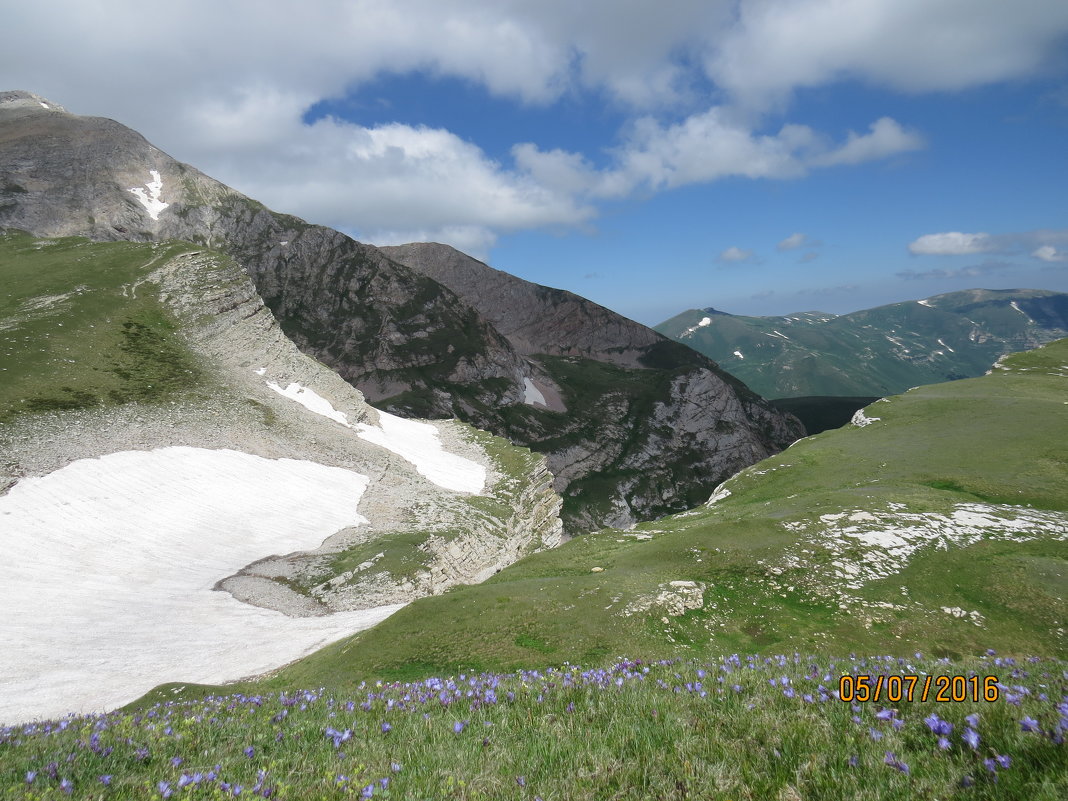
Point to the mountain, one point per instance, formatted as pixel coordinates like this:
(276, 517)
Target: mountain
(632, 426)
(937, 522)
(184, 493)
(875, 352)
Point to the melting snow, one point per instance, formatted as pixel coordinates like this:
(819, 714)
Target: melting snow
(860, 419)
(415, 442)
(738, 353)
(110, 563)
(532, 395)
(925, 303)
(947, 347)
(701, 324)
(1021, 311)
(150, 199)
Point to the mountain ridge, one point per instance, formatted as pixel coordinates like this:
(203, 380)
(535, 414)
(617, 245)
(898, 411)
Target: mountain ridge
(405, 340)
(875, 352)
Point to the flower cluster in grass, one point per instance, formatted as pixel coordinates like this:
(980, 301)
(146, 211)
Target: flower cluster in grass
(737, 727)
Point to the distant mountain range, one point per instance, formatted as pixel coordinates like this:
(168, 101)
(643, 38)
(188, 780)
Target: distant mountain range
(874, 352)
(633, 425)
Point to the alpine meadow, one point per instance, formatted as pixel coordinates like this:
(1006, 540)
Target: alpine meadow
(534, 401)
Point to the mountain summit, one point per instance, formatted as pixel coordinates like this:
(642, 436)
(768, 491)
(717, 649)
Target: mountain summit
(633, 425)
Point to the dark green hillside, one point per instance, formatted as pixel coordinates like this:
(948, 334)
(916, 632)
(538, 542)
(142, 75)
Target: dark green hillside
(969, 479)
(874, 352)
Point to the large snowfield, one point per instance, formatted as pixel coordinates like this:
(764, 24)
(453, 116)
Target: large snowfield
(109, 564)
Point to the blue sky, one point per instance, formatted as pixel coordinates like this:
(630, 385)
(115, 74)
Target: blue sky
(759, 156)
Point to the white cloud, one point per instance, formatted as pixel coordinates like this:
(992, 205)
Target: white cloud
(777, 46)
(952, 243)
(239, 75)
(885, 138)
(1045, 244)
(735, 254)
(1049, 253)
(792, 242)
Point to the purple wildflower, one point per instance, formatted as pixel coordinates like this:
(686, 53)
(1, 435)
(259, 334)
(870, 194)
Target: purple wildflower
(105, 779)
(1003, 760)
(990, 765)
(937, 725)
(395, 767)
(458, 726)
(30, 776)
(176, 761)
(250, 751)
(972, 719)
(386, 727)
(875, 734)
(367, 791)
(971, 737)
(943, 743)
(891, 760)
(165, 789)
(1029, 724)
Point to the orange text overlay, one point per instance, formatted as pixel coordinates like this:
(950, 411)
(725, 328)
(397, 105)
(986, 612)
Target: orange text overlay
(893, 689)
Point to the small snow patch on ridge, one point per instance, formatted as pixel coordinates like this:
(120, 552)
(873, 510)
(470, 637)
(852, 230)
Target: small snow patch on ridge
(150, 199)
(860, 419)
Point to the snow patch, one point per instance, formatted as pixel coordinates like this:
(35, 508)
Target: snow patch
(738, 353)
(1021, 311)
(700, 324)
(860, 419)
(151, 199)
(260, 371)
(718, 495)
(416, 442)
(532, 395)
(947, 347)
(925, 303)
(44, 105)
(110, 564)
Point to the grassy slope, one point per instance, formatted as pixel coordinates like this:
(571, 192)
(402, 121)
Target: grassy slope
(996, 440)
(77, 329)
(723, 729)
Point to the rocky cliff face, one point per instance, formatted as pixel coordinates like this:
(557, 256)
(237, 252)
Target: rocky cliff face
(656, 418)
(633, 425)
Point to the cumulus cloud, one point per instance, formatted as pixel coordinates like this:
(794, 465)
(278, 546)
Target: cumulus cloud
(798, 240)
(777, 46)
(225, 86)
(1049, 253)
(734, 255)
(1045, 244)
(952, 243)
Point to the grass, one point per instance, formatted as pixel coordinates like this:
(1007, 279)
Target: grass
(995, 440)
(81, 327)
(728, 727)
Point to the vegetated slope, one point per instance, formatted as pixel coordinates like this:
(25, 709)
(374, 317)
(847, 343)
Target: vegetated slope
(177, 478)
(939, 523)
(875, 352)
(675, 426)
(726, 727)
(632, 423)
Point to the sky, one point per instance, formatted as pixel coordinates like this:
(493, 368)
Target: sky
(758, 156)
